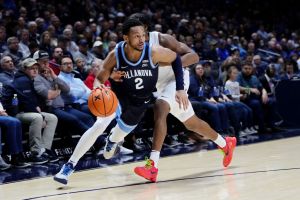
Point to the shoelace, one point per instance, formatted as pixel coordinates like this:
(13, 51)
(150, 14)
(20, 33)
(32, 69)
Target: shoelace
(148, 164)
(110, 145)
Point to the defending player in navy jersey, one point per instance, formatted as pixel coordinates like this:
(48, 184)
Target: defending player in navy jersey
(139, 61)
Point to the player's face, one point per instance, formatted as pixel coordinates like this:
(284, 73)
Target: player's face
(136, 38)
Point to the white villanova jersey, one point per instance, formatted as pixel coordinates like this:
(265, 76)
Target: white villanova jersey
(166, 73)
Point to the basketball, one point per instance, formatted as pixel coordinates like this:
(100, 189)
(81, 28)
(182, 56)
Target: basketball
(102, 102)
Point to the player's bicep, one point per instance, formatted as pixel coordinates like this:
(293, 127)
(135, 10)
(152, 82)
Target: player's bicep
(170, 42)
(162, 55)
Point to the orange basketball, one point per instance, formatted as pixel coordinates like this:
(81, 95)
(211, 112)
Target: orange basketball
(102, 102)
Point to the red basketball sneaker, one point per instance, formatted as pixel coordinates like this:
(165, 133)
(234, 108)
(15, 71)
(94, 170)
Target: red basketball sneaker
(148, 171)
(228, 150)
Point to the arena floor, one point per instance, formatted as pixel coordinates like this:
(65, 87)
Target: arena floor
(263, 170)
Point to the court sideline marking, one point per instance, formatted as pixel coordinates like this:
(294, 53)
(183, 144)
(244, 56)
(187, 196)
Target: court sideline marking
(172, 180)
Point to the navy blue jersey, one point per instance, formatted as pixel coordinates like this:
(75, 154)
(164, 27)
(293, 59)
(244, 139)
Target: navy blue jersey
(140, 77)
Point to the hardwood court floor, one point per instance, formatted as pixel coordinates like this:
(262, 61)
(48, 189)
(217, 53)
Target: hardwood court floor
(267, 170)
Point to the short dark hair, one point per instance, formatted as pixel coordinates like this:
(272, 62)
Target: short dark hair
(130, 22)
(145, 19)
(246, 63)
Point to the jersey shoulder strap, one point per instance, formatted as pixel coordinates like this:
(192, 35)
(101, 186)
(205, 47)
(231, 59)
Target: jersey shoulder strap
(153, 38)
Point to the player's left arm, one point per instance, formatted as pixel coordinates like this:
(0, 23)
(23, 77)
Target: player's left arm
(164, 55)
(188, 56)
(107, 67)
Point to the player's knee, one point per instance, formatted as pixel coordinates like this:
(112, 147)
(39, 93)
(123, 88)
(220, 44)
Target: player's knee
(161, 109)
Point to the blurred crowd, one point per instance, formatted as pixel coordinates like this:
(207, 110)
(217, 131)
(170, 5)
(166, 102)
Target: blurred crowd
(52, 50)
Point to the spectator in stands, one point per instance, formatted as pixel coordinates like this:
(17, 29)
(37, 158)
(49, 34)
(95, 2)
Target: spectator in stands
(24, 42)
(81, 70)
(79, 92)
(33, 35)
(89, 81)
(33, 47)
(201, 89)
(111, 46)
(71, 45)
(8, 70)
(269, 101)
(3, 164)
(253, 93)
(3, 44)
(13, 50)
(233, 88)
(11, 127)
(42, 125)
(83, 52)
(259, 66)
(54, 63)
(97, 50)
(222, 51)
(50, 87)
(289, 71)
(45, 42)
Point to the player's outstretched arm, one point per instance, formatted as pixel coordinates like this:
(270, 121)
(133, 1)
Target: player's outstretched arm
(164, 55)
(188, 56)
(108, 65)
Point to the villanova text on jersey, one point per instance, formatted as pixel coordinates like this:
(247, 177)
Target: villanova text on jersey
(140, 77)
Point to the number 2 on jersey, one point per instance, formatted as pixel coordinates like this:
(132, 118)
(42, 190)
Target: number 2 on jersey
(139, 83)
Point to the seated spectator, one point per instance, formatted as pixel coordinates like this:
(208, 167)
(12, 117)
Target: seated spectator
(84, 52)
(71, 45)
(259, 66)
(45, 42)
(89, 81)
(3, 44)
(3, 164)
(201, 89)
(54, 63)
(42, 125)
(269, 101)
(253, 93)
(289, 71)
(50, 87)
(233, 88)
(12, 129)
(97, 50)
(8, 70)
(13, 50)
(81, 69)
(24, 42)
(79, 92)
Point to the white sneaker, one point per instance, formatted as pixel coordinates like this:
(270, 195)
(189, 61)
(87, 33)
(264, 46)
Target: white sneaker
(242, 133)
(253, 130)
(63, 175)
(125, 151)
(111, 149)
(248, 131)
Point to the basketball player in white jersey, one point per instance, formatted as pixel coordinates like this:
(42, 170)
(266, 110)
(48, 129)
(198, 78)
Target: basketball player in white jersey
(166, 103)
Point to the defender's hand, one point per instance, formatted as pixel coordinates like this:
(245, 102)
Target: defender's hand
(182, 98)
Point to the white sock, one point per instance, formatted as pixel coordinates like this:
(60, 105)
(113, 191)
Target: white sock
(89, 138)
(220, 141)
(154, 155)
(118, 134)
